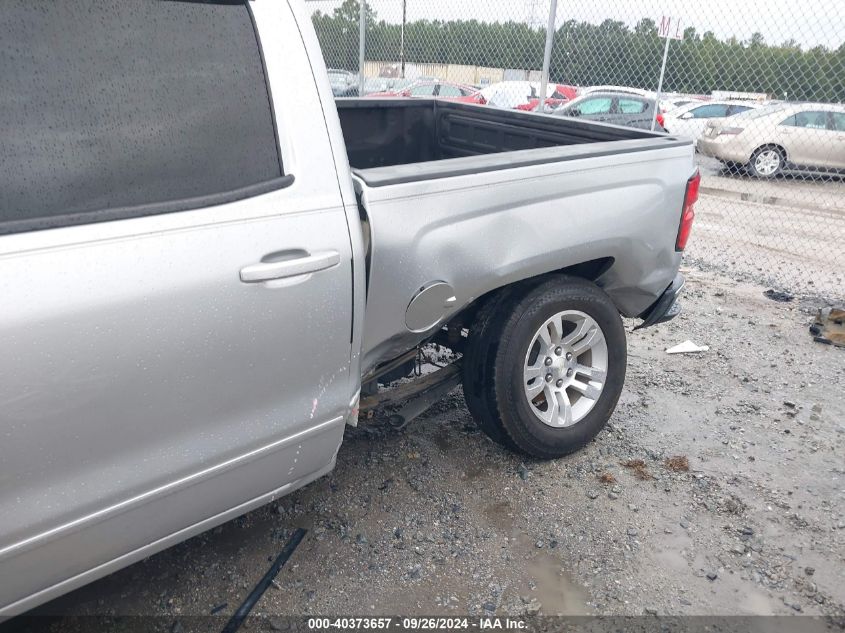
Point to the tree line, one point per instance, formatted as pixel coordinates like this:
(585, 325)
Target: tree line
(594, 54)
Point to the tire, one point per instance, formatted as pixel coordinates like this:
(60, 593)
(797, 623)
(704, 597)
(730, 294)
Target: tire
(507, 349)
(766, 162)
(477, 364)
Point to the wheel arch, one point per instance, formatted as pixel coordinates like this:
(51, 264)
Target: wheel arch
(591, 270)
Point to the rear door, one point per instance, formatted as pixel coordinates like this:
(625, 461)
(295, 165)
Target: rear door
(837, 120)
(175, 279)
(809, 139)
(631, 111)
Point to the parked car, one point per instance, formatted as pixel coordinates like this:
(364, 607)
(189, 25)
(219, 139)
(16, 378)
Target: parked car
(519, 94)
(208, 266)
(586, 90)
(691, 119)
(667, 103)
(343, 82)
(436, 88)
(784, 136)
(613, 107)
(560, 95)
(670, 103)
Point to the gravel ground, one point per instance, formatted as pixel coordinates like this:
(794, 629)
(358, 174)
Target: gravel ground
(787, 232)
(717, 488)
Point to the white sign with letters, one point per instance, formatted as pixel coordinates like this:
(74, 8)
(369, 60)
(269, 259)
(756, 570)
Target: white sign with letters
(670, 27)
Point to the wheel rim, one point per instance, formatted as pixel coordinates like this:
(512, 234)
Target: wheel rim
(565, 368)
(767, 162)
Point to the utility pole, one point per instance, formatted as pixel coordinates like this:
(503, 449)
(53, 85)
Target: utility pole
(362, 33)
(660, 85)
(402, 41)
(547, 55)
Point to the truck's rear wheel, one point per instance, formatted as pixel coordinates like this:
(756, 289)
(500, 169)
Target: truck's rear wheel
(550, 368)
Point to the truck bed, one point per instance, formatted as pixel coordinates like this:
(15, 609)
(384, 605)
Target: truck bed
(390, 141)
(460, 199)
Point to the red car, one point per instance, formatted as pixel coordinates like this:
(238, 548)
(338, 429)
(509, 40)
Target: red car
(440, 89)
(561, 94)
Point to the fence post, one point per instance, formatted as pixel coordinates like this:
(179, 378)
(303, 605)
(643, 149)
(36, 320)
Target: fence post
(547, 55)
(362, 33)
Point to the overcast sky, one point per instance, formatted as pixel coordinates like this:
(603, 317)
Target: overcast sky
(809, 22)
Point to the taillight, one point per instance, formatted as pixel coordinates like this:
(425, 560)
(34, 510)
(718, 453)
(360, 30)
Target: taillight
(688, 212)
(660, 118)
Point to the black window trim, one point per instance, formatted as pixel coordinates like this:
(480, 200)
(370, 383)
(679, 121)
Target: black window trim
(270, 101)
(97, 216)
(144, 210)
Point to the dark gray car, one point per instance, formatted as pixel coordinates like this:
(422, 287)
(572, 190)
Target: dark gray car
(618, 108)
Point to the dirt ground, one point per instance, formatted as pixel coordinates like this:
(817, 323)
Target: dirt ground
(787, 232)
(717, 488)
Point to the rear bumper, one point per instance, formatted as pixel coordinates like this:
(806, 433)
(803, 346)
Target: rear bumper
(723, 148)
(666, 307)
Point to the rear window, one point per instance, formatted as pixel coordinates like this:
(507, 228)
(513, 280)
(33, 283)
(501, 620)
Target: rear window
(709, 111)
(108, 104)
(450, 91)
(631, 106)
(738, 109)
(759, 113)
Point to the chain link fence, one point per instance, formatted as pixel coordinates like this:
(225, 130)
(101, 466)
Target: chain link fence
(759, 85)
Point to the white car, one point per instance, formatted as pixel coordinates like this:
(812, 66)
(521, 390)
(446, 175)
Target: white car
(691, 119)
(510, 94)
(783, 136)
(670, 103)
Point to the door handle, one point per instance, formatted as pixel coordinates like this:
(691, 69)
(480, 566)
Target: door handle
(266, 271)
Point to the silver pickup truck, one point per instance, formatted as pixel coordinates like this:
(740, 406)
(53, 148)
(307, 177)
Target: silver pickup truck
(207, 267)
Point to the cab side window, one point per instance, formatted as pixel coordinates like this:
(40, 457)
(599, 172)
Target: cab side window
(116, 109)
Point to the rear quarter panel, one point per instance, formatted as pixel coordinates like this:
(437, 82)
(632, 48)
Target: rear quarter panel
(483, 231)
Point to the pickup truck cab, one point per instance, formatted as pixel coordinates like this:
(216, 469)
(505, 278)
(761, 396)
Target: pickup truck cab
(204, 262)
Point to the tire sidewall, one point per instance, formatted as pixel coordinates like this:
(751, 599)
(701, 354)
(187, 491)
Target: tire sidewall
(525, 428)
